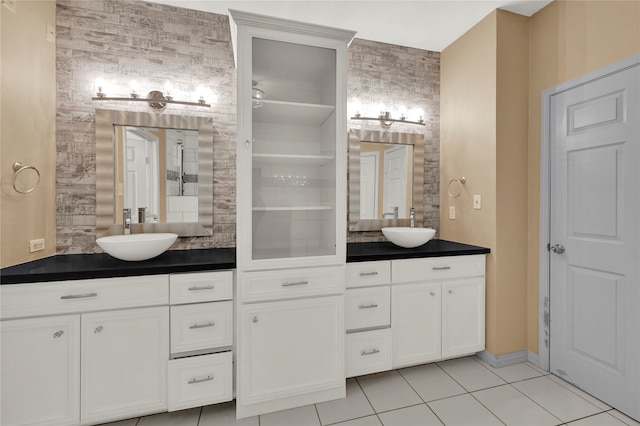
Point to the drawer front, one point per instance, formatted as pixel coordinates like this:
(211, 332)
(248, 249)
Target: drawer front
(200, 380)
(436, 268)
(362, 274)
(201, 287)
(290, 284)
(368, 307)
(201, 326)
(21, 300)
(368, 352)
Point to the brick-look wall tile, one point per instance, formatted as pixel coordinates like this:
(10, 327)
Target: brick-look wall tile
(120, 40)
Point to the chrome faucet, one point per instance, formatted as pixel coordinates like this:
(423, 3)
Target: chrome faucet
(126, 221)
(412, 217)
(394, 214)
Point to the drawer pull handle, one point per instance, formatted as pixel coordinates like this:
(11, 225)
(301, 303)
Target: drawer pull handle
(205, 287)
(295, 283)
(78, 296)
(369, 306)
(441, 268)
(368, 274)
(58, 334)
(208, 324)
(370, 352)
(203, 379)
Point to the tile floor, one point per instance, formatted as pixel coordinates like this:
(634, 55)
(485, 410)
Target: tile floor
(464, 391)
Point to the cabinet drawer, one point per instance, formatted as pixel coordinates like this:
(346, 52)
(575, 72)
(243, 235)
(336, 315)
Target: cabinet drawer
(368, 352)
(363, 274)
(201, 287)
(290, 284)
(200, 380)
(435, 268)
(368, 307)
(57, 297)
(201, 326)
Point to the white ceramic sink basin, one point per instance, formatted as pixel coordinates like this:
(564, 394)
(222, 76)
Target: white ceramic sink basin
(136, 246)
(408, 237)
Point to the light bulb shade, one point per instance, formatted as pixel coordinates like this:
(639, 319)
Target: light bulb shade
(156, 103)
(257, 95)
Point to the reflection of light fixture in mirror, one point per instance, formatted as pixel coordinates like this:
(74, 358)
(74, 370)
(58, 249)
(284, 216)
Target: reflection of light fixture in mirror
(257, 95)
(156, 99)
(386, 121)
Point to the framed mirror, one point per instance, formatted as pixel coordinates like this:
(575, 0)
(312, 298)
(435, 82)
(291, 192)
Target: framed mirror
(158, 165)
(386, 179)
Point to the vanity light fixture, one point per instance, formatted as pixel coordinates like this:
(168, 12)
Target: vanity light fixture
(156, 99)
(386, 121)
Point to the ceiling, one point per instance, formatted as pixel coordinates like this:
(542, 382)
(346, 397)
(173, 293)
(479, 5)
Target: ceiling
(423, 24)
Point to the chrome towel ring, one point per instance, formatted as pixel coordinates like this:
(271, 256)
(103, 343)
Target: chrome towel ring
(461, 181)
(19, 168)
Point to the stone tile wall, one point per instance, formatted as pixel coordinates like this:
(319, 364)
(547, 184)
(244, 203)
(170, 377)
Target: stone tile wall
(121, 40)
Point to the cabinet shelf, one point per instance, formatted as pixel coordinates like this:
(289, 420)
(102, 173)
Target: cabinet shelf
(292, 159)
(292, 113)
(290, 208)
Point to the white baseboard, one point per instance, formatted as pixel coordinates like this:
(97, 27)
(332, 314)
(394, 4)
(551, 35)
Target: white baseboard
(505, 360)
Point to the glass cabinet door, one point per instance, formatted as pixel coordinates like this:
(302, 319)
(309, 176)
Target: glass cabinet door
(295, 169)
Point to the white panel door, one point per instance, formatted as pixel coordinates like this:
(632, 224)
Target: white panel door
(369, 166)
(416, 323)
(594, 241)
(395, 180)
(124, 363)
(40, 377)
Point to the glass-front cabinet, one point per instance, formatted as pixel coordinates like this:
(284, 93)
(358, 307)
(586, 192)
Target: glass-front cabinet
(292, 143)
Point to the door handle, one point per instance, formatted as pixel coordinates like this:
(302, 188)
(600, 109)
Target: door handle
(557, 248)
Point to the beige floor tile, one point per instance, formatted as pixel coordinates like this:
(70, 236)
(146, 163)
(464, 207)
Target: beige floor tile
(515, 373)
(128, 422)
(463, 410)
(362, 421)
(410, 416)
(602, 419)
(626, 419)
(471, 374)
(431, 382)
(558, 400)
(388, 391)
(353, 406)
(513, 408)
(579, 392)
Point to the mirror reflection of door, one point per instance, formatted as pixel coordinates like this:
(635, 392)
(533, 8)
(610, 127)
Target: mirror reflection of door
(141, 171)
(395, 182)
(369, 166)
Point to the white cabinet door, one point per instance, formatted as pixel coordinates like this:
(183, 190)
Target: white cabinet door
(462, 316)
(416, 323)
(124, 363)
(40, 371)
(290, 353)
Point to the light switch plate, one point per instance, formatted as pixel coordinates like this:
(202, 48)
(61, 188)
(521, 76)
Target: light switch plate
(477, 202)
(452, 212)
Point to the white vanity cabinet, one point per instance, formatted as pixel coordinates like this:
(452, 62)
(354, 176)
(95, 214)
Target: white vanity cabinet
(85, 351)
(201, 369)
(438, 308)
(291, 210)
(368, 318)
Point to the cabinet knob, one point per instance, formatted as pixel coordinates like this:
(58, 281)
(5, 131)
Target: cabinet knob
(451, 292)
(247, 143)
(58, 334)
(432, 293)
(255, 319)
(98, 329)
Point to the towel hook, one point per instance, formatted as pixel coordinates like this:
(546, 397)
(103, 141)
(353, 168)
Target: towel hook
(19, 168)
(461, 181)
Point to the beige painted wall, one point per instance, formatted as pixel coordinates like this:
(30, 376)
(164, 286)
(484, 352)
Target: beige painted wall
(484, 115)
(28, 132)
(568, 39)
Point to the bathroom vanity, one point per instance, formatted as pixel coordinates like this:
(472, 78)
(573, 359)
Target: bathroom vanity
(89, 339)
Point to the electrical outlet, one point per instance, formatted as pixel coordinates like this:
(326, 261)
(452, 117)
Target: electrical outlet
(36, 245)
(452, 212)
(477, 202)
(10, 4)
(50, 32)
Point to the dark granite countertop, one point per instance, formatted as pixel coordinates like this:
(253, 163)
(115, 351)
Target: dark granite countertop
(86, 266)
(363, 252)
(101, 265)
